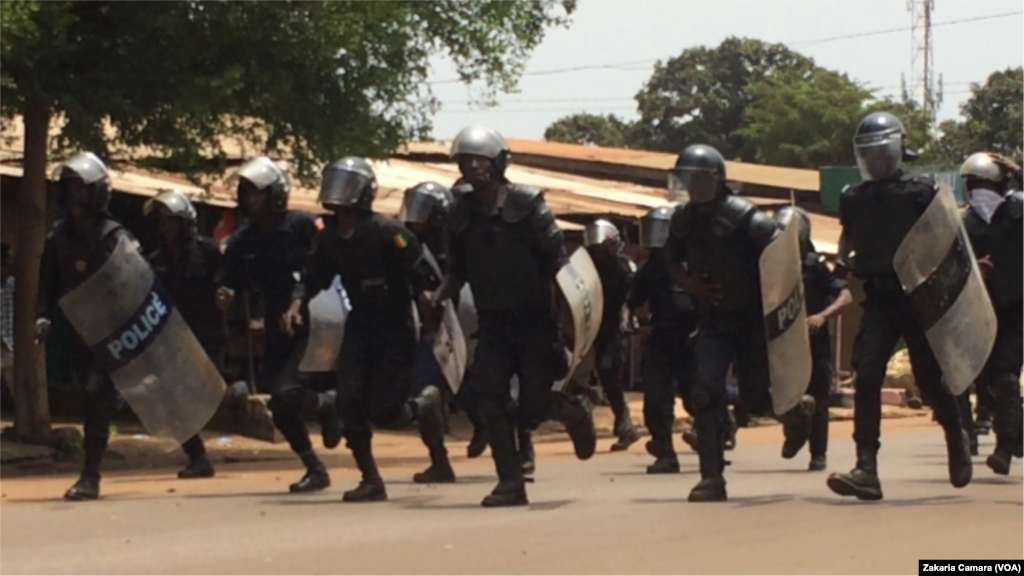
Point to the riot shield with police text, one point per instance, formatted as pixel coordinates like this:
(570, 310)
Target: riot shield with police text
(936, 266)
(327, 314)
(785, 319)
(450, 341)
(580, 284)
(137, 336)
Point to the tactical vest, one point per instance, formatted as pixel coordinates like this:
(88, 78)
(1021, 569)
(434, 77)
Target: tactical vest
(877, 217)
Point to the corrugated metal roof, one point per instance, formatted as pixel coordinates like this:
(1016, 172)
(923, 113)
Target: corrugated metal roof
(762, 175)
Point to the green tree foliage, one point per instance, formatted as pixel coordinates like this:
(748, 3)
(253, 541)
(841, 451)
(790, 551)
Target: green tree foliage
(993, 118)
(807, 120)
(595, 129)
(308, 80)
(701, 95)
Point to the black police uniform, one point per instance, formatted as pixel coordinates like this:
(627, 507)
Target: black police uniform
(876, 216)
(669, 364)
(1002, 240)
(821, 288)
(726, 246)
(70, 257)
(510, 259)
(377, 264)
(271, 262)
(190, 279)
(616, 275)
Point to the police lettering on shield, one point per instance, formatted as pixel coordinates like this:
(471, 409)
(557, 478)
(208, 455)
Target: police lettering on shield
(139, 331)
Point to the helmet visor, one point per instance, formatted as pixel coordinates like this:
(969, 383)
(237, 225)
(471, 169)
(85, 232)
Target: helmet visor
(694, 185)
(878, 155)
(342, 188)
(416, 207)
(654, 232)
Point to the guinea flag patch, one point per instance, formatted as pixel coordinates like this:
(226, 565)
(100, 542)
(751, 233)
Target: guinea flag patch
(400, 240)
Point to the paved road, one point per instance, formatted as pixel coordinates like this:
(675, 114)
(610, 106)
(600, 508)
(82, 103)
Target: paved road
(601, 516)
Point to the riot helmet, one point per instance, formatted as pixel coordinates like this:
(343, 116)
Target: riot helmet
(786, 215)
(348, 183)
(655, 227)
(985, 184)
(263, 175)
(84, 182)
(878, 146)
(170, 204)
(426, 203)
(698, 176)
(476, 145)
(598, 232)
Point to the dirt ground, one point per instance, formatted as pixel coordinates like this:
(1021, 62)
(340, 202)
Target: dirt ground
(149, 465)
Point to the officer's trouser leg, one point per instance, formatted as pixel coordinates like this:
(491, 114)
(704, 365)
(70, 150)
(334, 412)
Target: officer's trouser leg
(194, 448)
(659, 398)
(489, 379)
(872, 349)
(820, 388)
(608, 371)
(1001, 374)
(289, 399)
(715, 350)
(100, 405)
(928, 375)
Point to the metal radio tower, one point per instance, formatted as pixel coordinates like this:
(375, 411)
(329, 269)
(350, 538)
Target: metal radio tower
(922, 61)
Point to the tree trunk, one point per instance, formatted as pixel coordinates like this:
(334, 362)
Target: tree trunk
(31, 402)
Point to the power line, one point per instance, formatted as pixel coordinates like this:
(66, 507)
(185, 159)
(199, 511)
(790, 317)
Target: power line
(631, 64)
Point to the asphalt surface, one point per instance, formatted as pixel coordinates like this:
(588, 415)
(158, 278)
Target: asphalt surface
(596, 517)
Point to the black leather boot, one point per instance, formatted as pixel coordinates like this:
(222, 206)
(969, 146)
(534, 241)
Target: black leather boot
(959, 453)
(431, 424)
(861, 482)
(511, 488)
(331, 427)
(371, 487)
(316, 477)
(711, 487)
(86, 488)
(1001, 458)
(626, 433)
(197, 468)
(478, 443)
(797, 426)
(576, 414)
(818, 440)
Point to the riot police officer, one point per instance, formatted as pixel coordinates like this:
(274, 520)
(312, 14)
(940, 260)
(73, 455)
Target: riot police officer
(994, 225)
(424, 211)
(669, 364)
(825, 297)
(187, 263)
(383, 270)
(876, 216)
(503, 240)
(603, 243)
(75, 249)
(267, 254)
(714, 247)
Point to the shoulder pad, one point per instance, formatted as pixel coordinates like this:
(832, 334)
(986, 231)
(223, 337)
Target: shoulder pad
(458, 214)
(732, 210)
(763, 228)
(923, 181)
(1015, 202)
(520, 201)
(110, 227)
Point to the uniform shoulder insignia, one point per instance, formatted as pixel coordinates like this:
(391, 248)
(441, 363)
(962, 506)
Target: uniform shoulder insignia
(401, 241)
(319, 223)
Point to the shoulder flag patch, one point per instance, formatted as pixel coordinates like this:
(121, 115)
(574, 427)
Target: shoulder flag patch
(400, 240)
(319, 223)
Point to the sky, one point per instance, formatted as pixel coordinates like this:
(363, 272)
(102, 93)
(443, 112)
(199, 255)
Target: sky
(621, 39)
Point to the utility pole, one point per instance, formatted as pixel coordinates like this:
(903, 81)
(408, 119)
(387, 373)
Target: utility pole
(922, 87)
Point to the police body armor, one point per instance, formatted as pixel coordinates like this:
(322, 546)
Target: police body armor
(877, 216)
(518, 284)
(726, 247)
(1003, 242)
